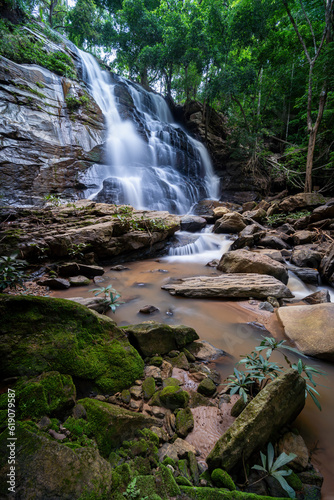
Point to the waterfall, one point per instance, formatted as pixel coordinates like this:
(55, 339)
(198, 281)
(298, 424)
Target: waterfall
(150, 162)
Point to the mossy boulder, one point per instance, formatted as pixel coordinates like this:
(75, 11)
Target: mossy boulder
(173, 397)
(184, 422)
(51, 393)
(222, 479)
(279, 403)
(46, 469)
(180, 361)
(40, 334)
(148, 388)
(171, 381)
(152, 338)
(195, 493)
(110, 424)
(207, 387)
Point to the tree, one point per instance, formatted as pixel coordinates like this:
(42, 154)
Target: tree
(312, 55)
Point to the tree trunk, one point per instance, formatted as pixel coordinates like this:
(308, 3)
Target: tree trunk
(309, 161)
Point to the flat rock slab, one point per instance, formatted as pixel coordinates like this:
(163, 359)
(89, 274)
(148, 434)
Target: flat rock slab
(311, 327)
(228, 285)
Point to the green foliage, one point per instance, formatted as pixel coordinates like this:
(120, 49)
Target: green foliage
(74, 103)
(274, 468)
(259, 370)
(76, 250)
(111, 296)
(11, 272)
(132, 492)
(53, 200)
(278, 219)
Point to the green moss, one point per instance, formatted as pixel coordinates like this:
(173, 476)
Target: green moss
(207, 387)
(294, 481)
(171, 381)
(184, 422)
(222, 479)
(148, 388)
(40, 334)
(220, 494)
(173, 397)
(156, 361)
(169, 461)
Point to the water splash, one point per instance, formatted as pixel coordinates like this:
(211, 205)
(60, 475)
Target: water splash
(161, 169)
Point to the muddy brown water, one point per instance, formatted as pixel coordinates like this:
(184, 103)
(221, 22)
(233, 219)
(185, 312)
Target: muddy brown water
(224, 324)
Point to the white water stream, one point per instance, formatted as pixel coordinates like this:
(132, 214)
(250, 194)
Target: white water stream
(163, 168)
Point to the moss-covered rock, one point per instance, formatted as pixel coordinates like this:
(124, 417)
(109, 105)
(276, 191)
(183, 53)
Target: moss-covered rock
(173, 397)
(220, 494)
(238, 407)
(50, 393)
(207, 387)
(184, 422)
(46, 469)
(180, 361)
(156, 361)
(181, 480)
(40, 334)
(110, 424)
(152, 338)
(148, 388)
(222, 479)
(171, 381)
(276, 405)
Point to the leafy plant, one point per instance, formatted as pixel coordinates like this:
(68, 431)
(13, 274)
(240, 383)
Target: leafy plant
(11, 272)
(53, 200)
(111, 296)
(132, 492)
(76, 250)
(273, 468)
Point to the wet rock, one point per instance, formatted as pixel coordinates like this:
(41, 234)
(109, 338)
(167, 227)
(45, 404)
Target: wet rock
(46, 469)
(79, 411)
(192, 223)
(148, 309)
(245, 261)
(327, 266)
(272, 253)
(266, 306)
(307, 275)
(126, 396)
(79, 281)
(294, 443)
(154, 372)
(311, 328)
(120, 267)
(180, 361)
(276, 405)
(75, 269)
(220, 211)
(323, 212)
(229, 285)
(258, 215)
(320, 297)
(304, 237)
(184, 422)
(286, 229)
(238, 407)
(55, 283)
(230, 223)
(300, 201)
(44, 424)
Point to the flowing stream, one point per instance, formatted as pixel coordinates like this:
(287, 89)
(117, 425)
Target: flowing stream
(233, 326)
(154, 164)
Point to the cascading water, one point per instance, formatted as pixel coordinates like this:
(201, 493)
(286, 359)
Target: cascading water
(162, 168)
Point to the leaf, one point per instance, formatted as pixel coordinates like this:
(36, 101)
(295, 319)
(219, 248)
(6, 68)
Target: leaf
(300, 366)
(271, 453)
(318, 405)
(284, 484)
(258, 467)
(283, 459)
(263, 459)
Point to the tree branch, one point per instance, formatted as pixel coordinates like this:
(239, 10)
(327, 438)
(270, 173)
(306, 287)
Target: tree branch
(300, 38)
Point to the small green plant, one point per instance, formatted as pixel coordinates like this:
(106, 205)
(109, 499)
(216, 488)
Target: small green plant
(11, 272)
(259, 371)
(74, 103)
(278, 219)
(76, 250)
(53, 200)
(273, 468)
(111, 296)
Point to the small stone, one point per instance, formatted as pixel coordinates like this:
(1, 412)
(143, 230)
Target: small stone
(153, 371)
(148, 388)
(136, 391)
(158, 411)
(273, 301)
(161, 433)
(57, 435)
(119, 268)
(266, 306)
(180, 361)
(79, 411)
(166, 369)
(184, 422)
(173, 354)
(100, 397)
(44, 424)
(320, 297)
(79, 281)
(190, 357)
(126, 396)
(135, 405)
(207, 387)
(149, 309)
(138, 382)
(156, 361)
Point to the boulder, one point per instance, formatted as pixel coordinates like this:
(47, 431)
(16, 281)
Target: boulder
(111, 425)
(320, 297)
(231, 222)
(55, 283)
(273, 241)
(327, 265)
(307, 275)
(323, 212)
(258, 215)
(259, 286)
(207, 387)
(311, 328)
(272, 253)
(46, 469)
(304, 237)
(173, 397)
(157, 338)
(275, 406)
(192, 223)
(40, 334)
(204, 351)
(75, 269)
(218, 212)
(79, 281)
(306, 256)
(179, 449)
(300, 201)
(294, 443)
(184, 422)
(244, 261)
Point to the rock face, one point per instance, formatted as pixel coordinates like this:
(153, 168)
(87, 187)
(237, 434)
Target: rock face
(45, 145)
(48, 470)
(311, 328)
(259, 286)
(244, 261)
(40, 334)
(276, 405)
(84, 227)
